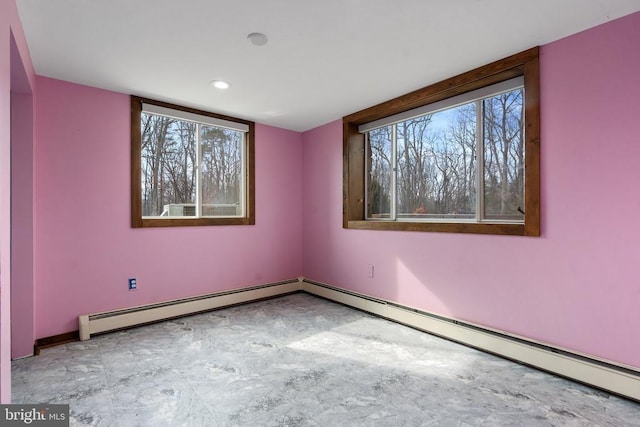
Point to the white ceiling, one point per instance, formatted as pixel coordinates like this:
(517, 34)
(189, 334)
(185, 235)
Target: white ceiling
(325, 58)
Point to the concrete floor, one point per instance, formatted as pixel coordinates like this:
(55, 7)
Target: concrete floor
(300, 361)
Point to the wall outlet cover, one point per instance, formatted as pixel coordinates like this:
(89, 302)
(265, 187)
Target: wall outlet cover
(370, 271)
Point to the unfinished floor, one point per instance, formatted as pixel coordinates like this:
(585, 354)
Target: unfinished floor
(300, 361)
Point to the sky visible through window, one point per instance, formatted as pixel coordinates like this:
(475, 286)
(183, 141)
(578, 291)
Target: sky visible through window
(437, 165)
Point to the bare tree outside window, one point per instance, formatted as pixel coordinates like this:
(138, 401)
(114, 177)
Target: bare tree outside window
(169, 168)
(168, 157)
(436, 158)
(504, 156)
(221, 170)
(380, 173)
(434, 161)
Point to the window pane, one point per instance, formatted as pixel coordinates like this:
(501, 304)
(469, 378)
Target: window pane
(436, 165)
(504, 157)
(222, 175)
(379, 173)
(167, 160)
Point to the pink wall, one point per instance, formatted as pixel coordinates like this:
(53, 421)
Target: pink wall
(22, 232)
(11, 34)
(576, 286)
(85, 247)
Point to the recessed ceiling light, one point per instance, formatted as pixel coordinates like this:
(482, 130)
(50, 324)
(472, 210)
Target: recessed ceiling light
(219, 84)
(258, 39)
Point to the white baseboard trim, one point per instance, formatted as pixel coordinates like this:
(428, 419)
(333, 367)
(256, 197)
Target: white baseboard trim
(607, 375)
(89, 324)
(604, 374)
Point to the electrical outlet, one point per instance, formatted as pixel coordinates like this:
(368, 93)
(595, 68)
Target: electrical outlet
(133, 285)
(370, 271)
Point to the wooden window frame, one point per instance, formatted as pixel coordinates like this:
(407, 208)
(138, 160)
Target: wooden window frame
(137, 220)
(524, 64)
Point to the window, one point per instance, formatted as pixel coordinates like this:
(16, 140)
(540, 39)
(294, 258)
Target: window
(190, 167)
(458, 156)
(460, 159)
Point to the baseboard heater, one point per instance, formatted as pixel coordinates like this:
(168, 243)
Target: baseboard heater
(90, 324)
(613, 377)
(606, 375)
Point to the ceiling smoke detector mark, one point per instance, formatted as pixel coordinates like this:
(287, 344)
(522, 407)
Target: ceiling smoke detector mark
(258, 39)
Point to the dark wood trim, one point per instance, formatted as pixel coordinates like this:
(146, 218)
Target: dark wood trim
(440, 227)
(136, 165)
(532, 147)
(190, 110)
(186, 222)
(137, 221)
(522, 64)
(495, 72)
(353, 171)
(250, 212)
(55, 340)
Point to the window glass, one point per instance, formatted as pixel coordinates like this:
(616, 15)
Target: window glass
(380, 173)
(436, 165)
(222, 171)
(504, 157)
(168, 172)
(426, 168)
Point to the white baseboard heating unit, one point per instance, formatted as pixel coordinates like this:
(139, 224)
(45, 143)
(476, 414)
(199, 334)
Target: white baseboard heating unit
(89, 324)
(604, 374)
(616, 378)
